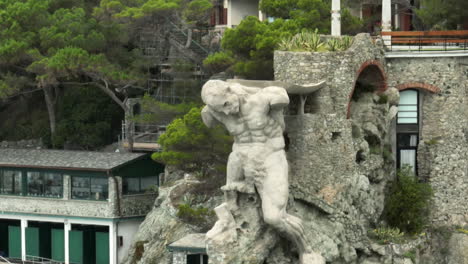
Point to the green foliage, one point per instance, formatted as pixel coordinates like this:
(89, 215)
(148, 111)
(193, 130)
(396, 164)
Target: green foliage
(387, 235)
(443, 14)
(350, 25)
(311, 41)
(190, 145)
(198, 216)
(346, 42)
(333, 44)
(306, 13)
(94, 125)
(383, 99)
(304, 41)
(137, 9)
(22, 121)
(156, 112)
(198, 12)
(253, 43)
(411, 255)
(218, 62)
(387, 153)
(408, 203)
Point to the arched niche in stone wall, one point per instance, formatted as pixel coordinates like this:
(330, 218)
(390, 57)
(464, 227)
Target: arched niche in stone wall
(370, 79)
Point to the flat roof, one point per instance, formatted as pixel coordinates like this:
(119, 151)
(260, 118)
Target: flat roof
(195, 243)
(65, 159)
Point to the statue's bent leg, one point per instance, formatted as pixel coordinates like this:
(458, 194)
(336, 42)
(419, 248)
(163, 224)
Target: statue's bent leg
(274, 192)
(234, 177)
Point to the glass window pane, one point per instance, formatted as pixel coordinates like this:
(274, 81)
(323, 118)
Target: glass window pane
(148, 182)
(410, 120)
(131, 185)
(407, 140)
(99, 188)
(407, 114)
(11, 182)
(408, 107)
(409, 97)
(80, 187)
(53, 185)
(35, 184)
(403, 108)
(408, 158)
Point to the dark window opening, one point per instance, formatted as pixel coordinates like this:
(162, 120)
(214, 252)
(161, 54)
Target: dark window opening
(197, 259)
(408, 130)
(139, 185)
(10, 182)
(44, 184)
(90, 188)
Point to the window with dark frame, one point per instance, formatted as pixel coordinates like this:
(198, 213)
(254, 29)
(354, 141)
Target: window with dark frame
(408, 129)
(90, 188)
(44, 184)
(10, 182)
(138, 185)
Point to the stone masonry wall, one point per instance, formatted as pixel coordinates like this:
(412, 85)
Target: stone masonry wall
(339, 69)
(443, 146)
(338, 195)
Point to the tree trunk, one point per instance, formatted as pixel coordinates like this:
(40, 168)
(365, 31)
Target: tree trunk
(129, 123)
(129, 131)
(189, 38)
(50, 103)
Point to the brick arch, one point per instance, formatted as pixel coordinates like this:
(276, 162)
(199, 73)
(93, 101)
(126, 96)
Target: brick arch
(365, 65)
(418, 85)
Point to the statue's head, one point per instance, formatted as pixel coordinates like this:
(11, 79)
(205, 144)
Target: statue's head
(219, 96)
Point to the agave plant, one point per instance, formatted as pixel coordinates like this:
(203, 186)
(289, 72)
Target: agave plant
(333, 44)
(312, 41)
(304, 41)
(346, 42)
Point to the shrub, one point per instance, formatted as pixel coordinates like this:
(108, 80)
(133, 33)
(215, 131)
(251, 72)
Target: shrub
(387, 235)
(199, 216)
(408, 202)
(218, 62)
(383, 99)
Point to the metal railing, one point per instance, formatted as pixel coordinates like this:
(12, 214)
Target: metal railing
(2, 259)
(451, 40)
(40, 260)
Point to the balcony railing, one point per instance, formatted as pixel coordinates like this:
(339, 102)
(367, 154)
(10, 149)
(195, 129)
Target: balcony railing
(452, 40)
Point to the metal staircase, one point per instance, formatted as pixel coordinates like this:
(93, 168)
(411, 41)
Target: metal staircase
(181, 37)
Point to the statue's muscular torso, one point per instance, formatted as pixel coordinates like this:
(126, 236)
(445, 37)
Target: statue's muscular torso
(255, 122)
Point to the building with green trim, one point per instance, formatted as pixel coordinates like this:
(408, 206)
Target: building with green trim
(73, 206)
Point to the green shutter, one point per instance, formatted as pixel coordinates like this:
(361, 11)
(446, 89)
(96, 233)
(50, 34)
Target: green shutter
(58, 244)
(32, 241)
(102, 248)
(76, 247)
(14, 242)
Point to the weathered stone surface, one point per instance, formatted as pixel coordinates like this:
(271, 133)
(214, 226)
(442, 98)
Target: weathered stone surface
(162, 227)
(458, 246)
(443, 148)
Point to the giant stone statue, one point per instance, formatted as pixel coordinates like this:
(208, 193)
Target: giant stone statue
(257, 167)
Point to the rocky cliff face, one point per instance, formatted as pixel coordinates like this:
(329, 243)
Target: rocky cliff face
(341, 156)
